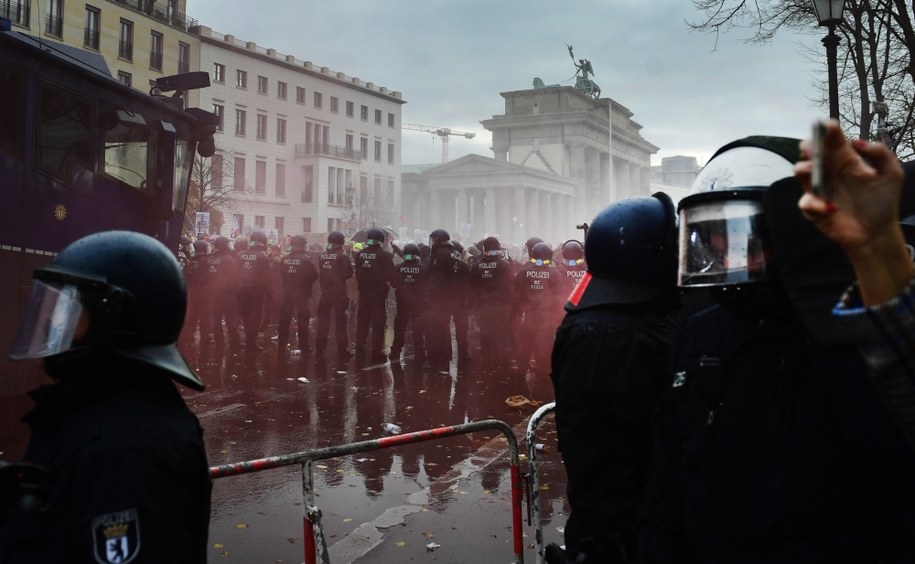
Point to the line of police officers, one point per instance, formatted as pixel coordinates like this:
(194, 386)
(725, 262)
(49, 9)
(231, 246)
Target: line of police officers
(515, 305)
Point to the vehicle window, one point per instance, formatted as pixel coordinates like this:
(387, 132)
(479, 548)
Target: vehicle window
(12, 92)
(64, 137)
(126, 143)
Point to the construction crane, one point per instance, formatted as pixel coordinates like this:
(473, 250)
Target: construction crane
(442, 132)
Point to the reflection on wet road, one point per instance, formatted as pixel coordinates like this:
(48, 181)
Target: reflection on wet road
(382, 506)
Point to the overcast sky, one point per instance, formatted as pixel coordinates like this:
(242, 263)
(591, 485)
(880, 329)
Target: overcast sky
(452, 58)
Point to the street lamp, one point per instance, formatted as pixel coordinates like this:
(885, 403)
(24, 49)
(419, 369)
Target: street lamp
(829, 14)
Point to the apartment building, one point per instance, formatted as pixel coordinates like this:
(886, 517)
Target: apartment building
(141, 40)
(306, 149)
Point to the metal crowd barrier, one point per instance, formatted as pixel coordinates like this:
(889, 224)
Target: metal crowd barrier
(314, 541)
(533, 480)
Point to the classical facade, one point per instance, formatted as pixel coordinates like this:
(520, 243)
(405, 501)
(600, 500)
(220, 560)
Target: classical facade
(141, 40)
(555, 166)
(305, 149)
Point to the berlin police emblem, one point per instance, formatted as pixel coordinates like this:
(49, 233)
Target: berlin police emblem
(116, 537)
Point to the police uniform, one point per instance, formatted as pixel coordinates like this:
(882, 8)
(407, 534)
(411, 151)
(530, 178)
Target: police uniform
(491, 288)
(335, 269)
(374, 274)
(538, 296)
(445, 291)
(223, 276)
(411, 303)
(253, 281)
(299, 275)
(200, 304)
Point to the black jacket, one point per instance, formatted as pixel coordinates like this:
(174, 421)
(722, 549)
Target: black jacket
(129, 472)
(299, 274)
(374, 272)
(335, 268)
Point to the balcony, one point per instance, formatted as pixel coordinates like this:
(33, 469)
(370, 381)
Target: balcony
(161, 12)
(155, 60)
(54, 25)
(90, 38)
(322, 150)
(125, 50)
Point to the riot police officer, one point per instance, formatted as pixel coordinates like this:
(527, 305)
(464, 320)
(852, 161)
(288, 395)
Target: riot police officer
(125, 455)
(374, 275)
(770, 411)
(335, 269)
(299, 275)
(610, 362)
(411, 303)
(573, 265)
(446, 271)
(223, 273)
(537, 301)
(491, 291)
(200, 305)
(253, 285)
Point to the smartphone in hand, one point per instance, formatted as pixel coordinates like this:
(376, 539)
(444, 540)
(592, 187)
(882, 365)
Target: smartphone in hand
(816, 174)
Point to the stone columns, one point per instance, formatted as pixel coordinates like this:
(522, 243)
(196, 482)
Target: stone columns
(531, 213)
(518, 211)
(490, 205)
(433, 215)
(545, 221)
(578, 171)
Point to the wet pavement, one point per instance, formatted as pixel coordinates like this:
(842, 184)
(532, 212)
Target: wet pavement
(446, 500)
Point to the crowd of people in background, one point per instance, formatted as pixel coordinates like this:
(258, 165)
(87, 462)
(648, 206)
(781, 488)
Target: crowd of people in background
(251, 292)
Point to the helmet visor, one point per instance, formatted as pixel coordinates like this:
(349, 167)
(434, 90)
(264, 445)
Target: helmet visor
(722, 243)
(49, 320)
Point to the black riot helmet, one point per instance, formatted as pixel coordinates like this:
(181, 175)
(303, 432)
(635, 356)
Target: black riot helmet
(411, 252)
(221, 243)
(572, 253)
(491, 244)
(631, 253)
(259, 237)
(201, 247)
(724, 238)
(374, 236)
(439, 236)
(116, 292)
(529, 244)
(299, 242)
(541, 253)
(335, 238)
(458, 246)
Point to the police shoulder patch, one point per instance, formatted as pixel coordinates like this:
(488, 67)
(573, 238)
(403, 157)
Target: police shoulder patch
(116, 537)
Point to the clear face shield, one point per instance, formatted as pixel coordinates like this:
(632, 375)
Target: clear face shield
(722, 242)
(50, 320)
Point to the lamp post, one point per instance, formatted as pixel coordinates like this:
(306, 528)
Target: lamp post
(829, 14)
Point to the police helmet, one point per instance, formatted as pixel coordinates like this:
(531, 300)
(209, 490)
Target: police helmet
(458, 246)
(299, 242)
(259, 237)
(115, 291)
(221, 243)
(631, 253)
(374, 236)
(529, 244)
(572, 252)
(411, 251)
(491, 246)
(201, 247)
(335, 238)
(439, 236)
(541, 253)
(723, 233)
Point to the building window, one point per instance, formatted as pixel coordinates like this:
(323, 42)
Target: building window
(54, 18)
(238, 179)
(364, 113)
(125, 41)
(349, 145)
(155, 50)
(332, 184)
(364, 147)
(280, 184)
(90, 34)
(306, 225)
(262, 84)
(308, 189)
(334, 105)
(377, 151)
(281, 90)
(260, 177)
(390, 119)
(349, 108)
(216, 165)
(278, 222)
(219, 72)
(317, 138)
(390, 153)
(220, 112)
(241, 78)
(378, 117)
(280, 131)
(238, 223)
(261, 127)
(125, 78)
(184, 57)
(364, 189)
(241, 117)
(299, 95)
(259, 222)
(319, 100)
(17, 12)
